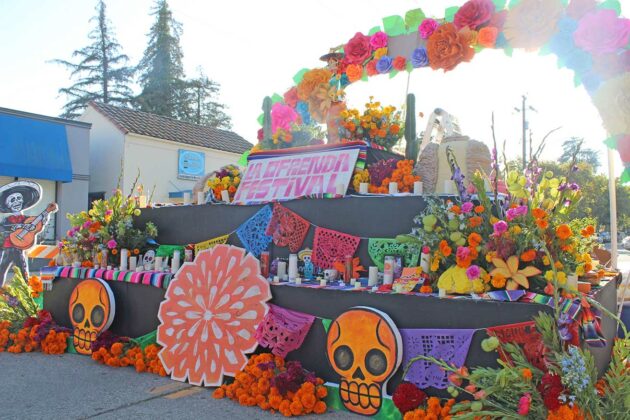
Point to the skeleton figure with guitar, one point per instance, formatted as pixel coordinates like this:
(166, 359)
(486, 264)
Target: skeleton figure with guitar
(17, 231)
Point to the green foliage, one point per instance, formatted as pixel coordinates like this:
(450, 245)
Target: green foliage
(16, 301)
(573, 147)
(201, 105)
(617, 405)
(101, 73)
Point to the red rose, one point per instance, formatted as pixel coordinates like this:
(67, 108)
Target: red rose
(408, 397)
(400, 63)
(260, 135)
(473, 14)
(370, 68)
(291, 97)
(358, 49)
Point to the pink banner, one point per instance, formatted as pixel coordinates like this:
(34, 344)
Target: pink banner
(296, 175)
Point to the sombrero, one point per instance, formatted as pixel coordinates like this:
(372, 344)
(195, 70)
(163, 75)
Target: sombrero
(31, 193)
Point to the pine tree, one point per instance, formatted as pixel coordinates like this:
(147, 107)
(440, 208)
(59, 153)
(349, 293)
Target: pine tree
(162, 73)
(573, 146)
(102, 74)
(203, 107)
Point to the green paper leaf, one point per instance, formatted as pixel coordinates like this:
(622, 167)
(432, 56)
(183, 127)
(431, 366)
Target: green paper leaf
(413, 19)
(449, 14)
(611, 142)
(513, 3)
(478, 48)
(261, 119)
(364, 76)
(374, 30)
(393, 73)
(508, 51)
(299, 75)
(625, 176)
(326, 323)
(545, 50)
(275, 98)
(499, 4)
(565, 2)
(409, 67)
(394, 25)
(611, 4)
(577, 80)
(243, 159)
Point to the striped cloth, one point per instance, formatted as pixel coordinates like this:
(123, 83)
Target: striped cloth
(148, 278)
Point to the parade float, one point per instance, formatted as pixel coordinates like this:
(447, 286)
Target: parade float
(339, 269)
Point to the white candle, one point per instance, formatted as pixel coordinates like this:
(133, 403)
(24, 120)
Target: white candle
(448, 186)
(341, 189)
(357, 285)
(175, 261)
(201, 197)
(276, 279)
(225, 196)
(187, 198)
(282, 269)
(388, 278)
(425, 258)
(109, 267)
(353, 282)
(298, 280)
(133, 263)
(322, 282)
(158, 264)
(373, 276)
(442, 292)
(293, 266)
(417, 188)
(363, 187)
(124, 259)
(393, 187)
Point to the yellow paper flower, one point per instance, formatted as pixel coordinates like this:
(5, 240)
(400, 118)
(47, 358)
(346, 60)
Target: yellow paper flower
(612, 100)
(512, 274)
(380, 53)
(455, 280)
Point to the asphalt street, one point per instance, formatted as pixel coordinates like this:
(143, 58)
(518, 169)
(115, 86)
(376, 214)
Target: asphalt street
(69, 386)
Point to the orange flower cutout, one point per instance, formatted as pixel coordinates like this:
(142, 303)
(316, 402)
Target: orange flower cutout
(512, 274)
(209, 315)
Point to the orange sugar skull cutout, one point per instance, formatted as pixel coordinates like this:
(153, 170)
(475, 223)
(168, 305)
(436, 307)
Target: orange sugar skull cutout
(365, 348)
(92, 308)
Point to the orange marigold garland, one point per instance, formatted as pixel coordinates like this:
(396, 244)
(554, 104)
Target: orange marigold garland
(269, 383)
(123, 354)
(36, 286)
(434, 410)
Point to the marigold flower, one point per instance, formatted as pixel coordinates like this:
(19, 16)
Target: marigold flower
(542, 223)
(498, 281)
(564, 232)
(529, 255)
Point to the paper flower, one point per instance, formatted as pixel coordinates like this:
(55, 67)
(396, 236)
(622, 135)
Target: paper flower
(378, 40)
(531, 23)
(354, 72)
(384, 64)
(281, 117)
(370, 68)
(602, 32)
(419, 57)
(578, 8)
(509, 270)
(291, 97)
(399, 63)
(612, 100)
(427, 27)
(209, 315)
(358, 49)
(311, 80)
(473, 14)
(447, 48)
(487, 36)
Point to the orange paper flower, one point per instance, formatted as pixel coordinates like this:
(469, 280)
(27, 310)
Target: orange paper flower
(311, 80)
(509, 269)
(487, 37)
(354, 72)
(447, 47)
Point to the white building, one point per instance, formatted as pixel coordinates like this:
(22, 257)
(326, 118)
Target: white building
(170, 154)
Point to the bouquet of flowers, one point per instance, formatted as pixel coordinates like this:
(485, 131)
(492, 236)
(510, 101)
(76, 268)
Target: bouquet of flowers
(227, 178)
(377, 124)
(382, 172)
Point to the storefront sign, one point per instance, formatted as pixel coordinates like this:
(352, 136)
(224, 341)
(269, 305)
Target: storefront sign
(191, 164)
(291, 174)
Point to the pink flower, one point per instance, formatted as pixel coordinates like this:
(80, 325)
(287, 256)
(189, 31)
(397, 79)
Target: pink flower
(515, 212)
(462, 252)
(467, 207)
(473, 272)
(500, 227)
(87, 224)
(282, 116)
(455, 379)
(108, 212)
(378, 40)
(427, 27)
(111, 244)
(602, 32)
(358, 49)
(426, 249)
(523, 404)
(473, 14)
(479, 395)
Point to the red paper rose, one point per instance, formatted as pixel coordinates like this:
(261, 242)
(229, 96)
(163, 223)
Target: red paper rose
(447, 48)
(260, 135)
(370, 68)
(291, 97)
(602, 32)
(408, 397)
(400, 63)
(623, 147)
(358, 49)
(473, 14)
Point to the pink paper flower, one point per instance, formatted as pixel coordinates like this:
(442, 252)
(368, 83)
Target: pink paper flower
(111, 244)
(523, 404)
(462, 252)
(515, 212)
(602, 32)
(467, 207)
(358, 49)
(427, 27)
(500, 227)
(473, 272)
(282, 116)
(378, 40)
(473, 14)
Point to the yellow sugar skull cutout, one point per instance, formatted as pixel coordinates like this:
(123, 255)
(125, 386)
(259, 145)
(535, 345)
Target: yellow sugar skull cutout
(365, 348)
(92, 308)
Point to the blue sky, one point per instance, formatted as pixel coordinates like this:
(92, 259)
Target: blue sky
(253, 48)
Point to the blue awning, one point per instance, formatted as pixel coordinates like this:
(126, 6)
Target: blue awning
(31, 148)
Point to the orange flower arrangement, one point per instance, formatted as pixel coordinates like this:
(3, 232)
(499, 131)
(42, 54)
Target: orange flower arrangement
(311, 80)
(36, 286)
(566, 412)
(445, 249)
(434, 410)
(403, 175)
(23, 340)
(252, 386)
(4, 334)
(55, 342)
(122, 355)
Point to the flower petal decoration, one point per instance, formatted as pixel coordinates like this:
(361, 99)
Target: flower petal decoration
(209, 316)
(612, 100)
(531, 23)
(514, 276)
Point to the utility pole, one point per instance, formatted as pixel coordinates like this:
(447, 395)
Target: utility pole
(523, 111)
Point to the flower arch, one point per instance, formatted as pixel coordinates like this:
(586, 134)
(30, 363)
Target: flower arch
(587, 36)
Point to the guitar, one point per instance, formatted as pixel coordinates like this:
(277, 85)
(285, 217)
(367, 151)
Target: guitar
(24, 239)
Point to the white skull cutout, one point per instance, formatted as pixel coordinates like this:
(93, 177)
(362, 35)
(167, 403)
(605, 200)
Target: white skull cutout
(149, 258)
(92, 308)
(364, 347)
(15, 202)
